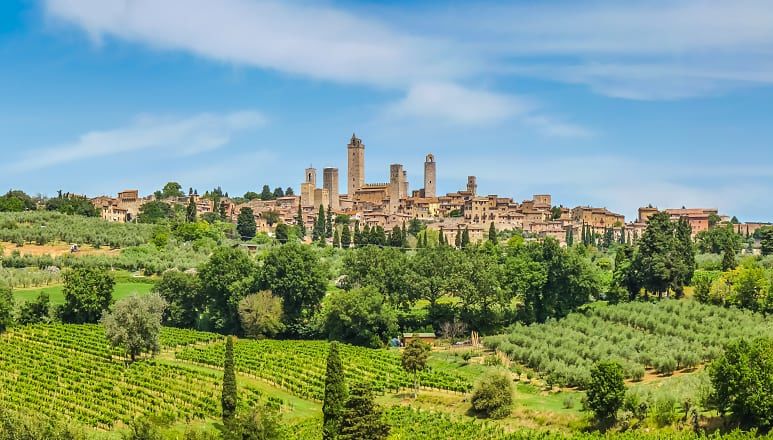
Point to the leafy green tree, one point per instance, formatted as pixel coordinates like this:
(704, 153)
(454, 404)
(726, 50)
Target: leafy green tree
(381, 268)
(71, 204)
(266, 193)
(251, 195)
(229, 398)
(257, 423)
(396, 237)
(743, 381)
(182, 293)
(458, 239)
(134, 324)
(606, 390)
(278, 192)
(294, 273)
(716, 240)
(226, 278)
(432, 274)
(88, 292)
(282, 233)
(657, 254)
(359, 316)
(346, 237)
(16, 201)
(492, 233)
(362, 419)
(6, 307)
(684, 255)
(261, 314)
(335, 398)
(714, 220)
(155, 212)
(271, 217)
(35, 312)
(172, 189)
(245, 224)
(358, 237)
(625, 274)
(414, 360)
(415, 226)
(493, 395)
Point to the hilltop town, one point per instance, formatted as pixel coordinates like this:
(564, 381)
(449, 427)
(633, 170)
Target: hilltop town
(393, 203)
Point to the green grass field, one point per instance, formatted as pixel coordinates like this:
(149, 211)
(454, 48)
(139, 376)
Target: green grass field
(122, 290)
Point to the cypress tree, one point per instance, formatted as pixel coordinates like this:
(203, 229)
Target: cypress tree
(728, 257)
(319, 225)
(346, 237)
(190, 214)
(335, 394)
(336, 240)
(465, 238)
(329, 223)
(362, 418)
(229, 398)
(492, 233)
(458, 238)
(357, 235)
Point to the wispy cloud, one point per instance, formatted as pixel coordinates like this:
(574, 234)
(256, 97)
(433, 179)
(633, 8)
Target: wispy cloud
(177, 136)
(438, 76)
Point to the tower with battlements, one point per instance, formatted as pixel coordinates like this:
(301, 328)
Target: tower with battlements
(355, 178)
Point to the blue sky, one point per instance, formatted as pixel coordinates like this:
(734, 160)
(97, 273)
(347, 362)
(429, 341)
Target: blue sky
(615, 104)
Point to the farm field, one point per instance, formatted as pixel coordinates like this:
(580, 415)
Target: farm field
(122, 290)
(661, 337)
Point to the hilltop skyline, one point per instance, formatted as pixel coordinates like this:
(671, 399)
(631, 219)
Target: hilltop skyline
(102, 96)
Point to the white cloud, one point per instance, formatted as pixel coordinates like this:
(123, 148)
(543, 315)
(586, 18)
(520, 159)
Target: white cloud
(312, 41)
(180, 136)
(453, 103)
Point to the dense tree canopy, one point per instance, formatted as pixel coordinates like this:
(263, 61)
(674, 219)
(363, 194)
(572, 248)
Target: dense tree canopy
(88, 292)
(182, 293)
(134, 324)
(360, 316)
(227, 277)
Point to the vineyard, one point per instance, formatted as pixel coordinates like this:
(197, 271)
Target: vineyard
(70, 371)
(48, 227)
(299, 366)
(665, 336)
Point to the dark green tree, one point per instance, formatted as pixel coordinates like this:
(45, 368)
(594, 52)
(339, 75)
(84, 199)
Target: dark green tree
(414, 361)
(493, 395)
(251, 195)
(346, 237)
(492, 233)
(294, 273)
(728, 258)
(335, 398)
(743, 382)
(182, 293)
(657, 257)
(154, 212)
(358, 238)
(359, 316)
(245, 224)
(606, 390)
(266, 193)
(396, 237)
(300, 224)
(228, 276)
(35, 312)
(88, 292)
(766, 240)
(278, 192)
(282, 233)
(684, 254)
(458, 239)
(289, 191)
(362, 418)
(329, 223)
(415, 226)
(229, 397)
(190, 212)
(336, 239)
(465, 238)
(172, 190)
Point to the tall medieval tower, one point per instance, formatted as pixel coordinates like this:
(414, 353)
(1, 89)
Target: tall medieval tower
(356, 171)
(396, 186)
(429, 176)
(330, 183)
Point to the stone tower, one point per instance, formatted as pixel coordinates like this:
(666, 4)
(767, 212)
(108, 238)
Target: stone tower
(356, 171)
(330, 183)
(308, 187)
(404, 182)
(395, 186)
(472, 185)
(429, 176)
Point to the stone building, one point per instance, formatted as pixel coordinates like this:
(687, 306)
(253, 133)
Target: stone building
(356, 167)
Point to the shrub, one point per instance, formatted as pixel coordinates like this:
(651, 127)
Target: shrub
(493, 395)
(664, 410)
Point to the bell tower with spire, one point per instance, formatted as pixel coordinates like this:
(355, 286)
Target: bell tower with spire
(355, 178)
